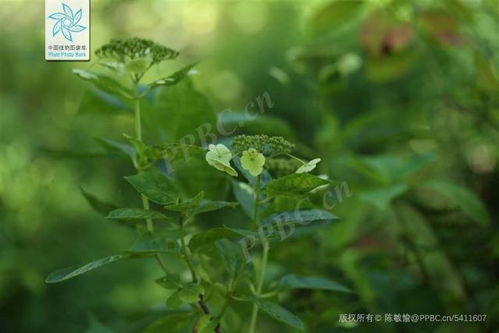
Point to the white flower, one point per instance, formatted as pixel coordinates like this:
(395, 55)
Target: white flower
(219, 157)
(309, 166)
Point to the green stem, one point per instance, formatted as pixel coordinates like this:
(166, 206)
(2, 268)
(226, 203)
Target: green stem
(259, 288)
(265, 255)
(145, 201)
(257, 198)
(186, 254)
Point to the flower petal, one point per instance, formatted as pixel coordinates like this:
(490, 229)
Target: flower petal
(77, 17)
(253, 161)
(58, 16)
(56, 28)
(77, 28)
(67, 34)
(67, 9)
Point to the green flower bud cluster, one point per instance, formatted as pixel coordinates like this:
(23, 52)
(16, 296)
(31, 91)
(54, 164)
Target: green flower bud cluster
(124, 50)
(267, 145)
(280, 167)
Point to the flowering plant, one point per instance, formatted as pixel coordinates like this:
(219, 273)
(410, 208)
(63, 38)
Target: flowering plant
(270, 186)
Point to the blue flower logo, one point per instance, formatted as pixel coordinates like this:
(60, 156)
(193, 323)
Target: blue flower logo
(67, 22)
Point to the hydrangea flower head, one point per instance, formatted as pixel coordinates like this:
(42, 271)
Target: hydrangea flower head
(132, 50)
(268, 145)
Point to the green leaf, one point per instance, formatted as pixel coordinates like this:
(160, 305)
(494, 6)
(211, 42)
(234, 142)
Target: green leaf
(155, 186)
(151, 245)
(294, 184)
(171, 281)
(206, 324)
(174, 322)
(69, 273)
(190, 293)
(245, 196)
(230, 254)
(135, 214)
(117, 148)
(186, 206)
(174, 301)
(100, 102)
(202, 239)
(105, 83)
(174, 78)
(96, 203)
(300, 217)
(183, 114)
(292, 281)
(279, 313)
(382, 197)
(335, 14)
(462, 197)
(209, 206)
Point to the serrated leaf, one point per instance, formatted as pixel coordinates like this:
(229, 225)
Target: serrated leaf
(299, 217)
(279, 313)
(104, 82)
(174, 78)
(292, 281)
(155, 186)
(71, 272)
(210, 236)
(135, 214)
(462, 197)
(294, 185)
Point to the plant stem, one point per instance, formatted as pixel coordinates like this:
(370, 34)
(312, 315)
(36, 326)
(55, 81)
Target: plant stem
(186, 253)
(265, 255)
(145, 201)
(257, 198)
(254, 312)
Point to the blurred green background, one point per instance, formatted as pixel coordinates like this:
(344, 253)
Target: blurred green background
(399, 98)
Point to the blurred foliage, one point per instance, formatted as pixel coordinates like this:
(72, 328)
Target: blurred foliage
(399, 97)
